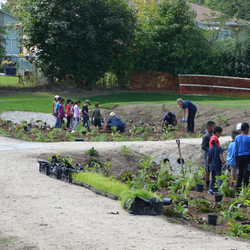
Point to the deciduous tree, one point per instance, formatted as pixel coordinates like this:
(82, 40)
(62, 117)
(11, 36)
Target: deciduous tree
(79, 39)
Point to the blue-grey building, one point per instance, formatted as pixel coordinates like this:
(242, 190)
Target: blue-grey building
(11, 46)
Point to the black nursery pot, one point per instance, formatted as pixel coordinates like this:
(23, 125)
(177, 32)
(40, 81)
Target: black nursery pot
(25, 128)
(183, 202)
(166, 201)
(199, 187)
(8, 122)
(215, 189)
(218, 197)
(212, 219)
(84, 132)
(79, 139)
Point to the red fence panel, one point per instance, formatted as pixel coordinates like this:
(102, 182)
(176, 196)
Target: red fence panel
(225, 86)
(152, 81)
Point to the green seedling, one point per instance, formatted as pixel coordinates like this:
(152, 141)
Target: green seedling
(163, 107)
(155, 117)
(237, 230)
(125, 151)
(92, 152)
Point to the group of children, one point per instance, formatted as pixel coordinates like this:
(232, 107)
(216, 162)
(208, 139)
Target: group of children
(237, 160)
(72, 113)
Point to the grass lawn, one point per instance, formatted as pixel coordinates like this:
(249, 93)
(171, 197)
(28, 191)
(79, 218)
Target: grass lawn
(8, 80)
(42, 102)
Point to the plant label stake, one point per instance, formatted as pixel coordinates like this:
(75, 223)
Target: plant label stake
(178, 144)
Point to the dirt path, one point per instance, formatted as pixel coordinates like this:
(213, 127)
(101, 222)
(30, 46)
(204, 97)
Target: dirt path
(38, 212)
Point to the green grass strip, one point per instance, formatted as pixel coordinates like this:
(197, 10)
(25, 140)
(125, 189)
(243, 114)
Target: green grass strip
(111, 186)
(10, 81)
(104, 184)
(42, 102)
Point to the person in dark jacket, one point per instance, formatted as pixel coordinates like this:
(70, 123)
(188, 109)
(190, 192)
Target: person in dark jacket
(205, 146)
(85, 114)
(188, 112)
(216, 162)
(115, 121)
(169, 118)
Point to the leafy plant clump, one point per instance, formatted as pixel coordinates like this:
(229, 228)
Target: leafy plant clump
(125, 151)
(92, 152)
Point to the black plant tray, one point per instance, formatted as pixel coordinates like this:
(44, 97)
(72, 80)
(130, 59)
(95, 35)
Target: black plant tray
(112, 196)
(44, 167)
(86, 185)
(141, 206)
(100, 192)
(66, 177)
(77, 183)
(55, 175)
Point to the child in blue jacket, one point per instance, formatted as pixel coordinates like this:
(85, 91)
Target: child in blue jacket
(242, 155)
(231, 158)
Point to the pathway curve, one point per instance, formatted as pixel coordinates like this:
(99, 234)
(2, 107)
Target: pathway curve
(38, 212)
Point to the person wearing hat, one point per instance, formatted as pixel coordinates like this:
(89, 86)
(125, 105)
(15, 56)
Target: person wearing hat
(115, 121)
(238, 127)
(217, 130)
(215, 161)
(85, 114)
(54, 105)
(188, 113)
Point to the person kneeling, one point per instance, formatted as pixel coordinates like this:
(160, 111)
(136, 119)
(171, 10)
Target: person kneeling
(169, 118)
(115, 121)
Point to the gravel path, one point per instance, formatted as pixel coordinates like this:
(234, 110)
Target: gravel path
(38, 212)
(18, 116)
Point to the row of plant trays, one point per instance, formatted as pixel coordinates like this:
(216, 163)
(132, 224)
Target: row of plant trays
(64, 172)
(47, 169)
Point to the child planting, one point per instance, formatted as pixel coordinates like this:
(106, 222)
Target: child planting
(205, 146)
(231, 158)
(217, 132)
(215, 161)
(97, 117)
(242, 155)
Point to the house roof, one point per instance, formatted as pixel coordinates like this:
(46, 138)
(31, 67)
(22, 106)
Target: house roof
(203, 12)
(6, 13)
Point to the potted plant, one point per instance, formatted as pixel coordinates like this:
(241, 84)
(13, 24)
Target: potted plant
(10, 68)
(197, 178)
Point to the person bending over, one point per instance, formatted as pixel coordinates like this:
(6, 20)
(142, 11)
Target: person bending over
(188, 112)
(169, 119)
